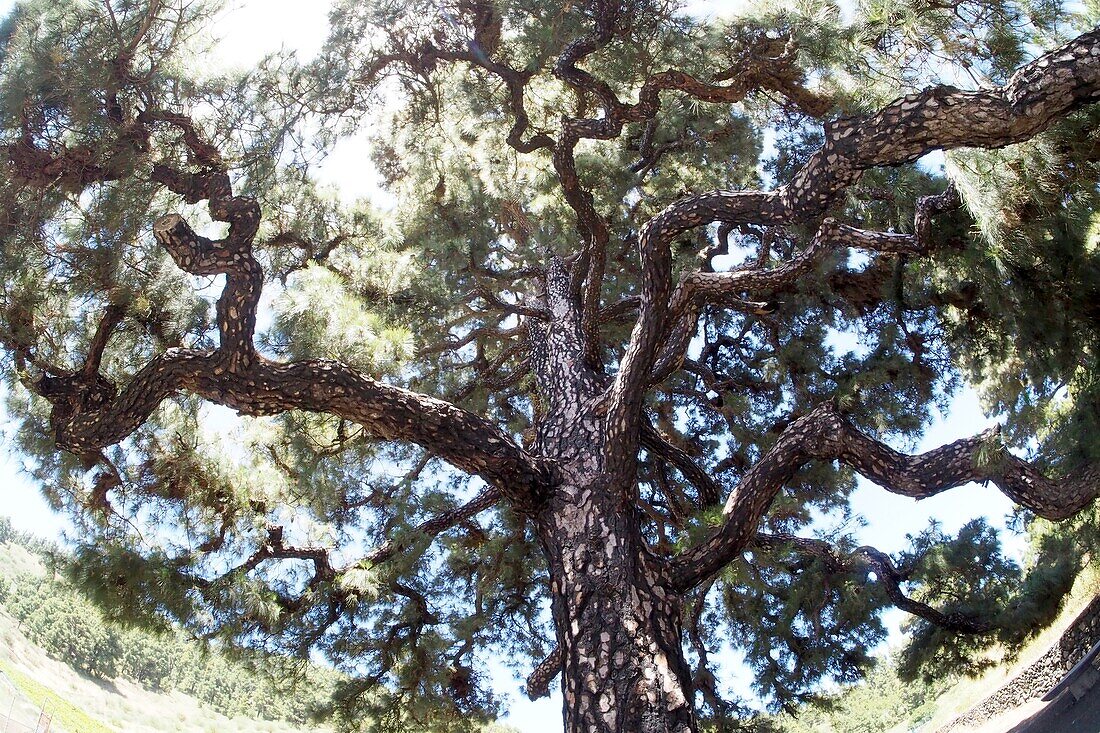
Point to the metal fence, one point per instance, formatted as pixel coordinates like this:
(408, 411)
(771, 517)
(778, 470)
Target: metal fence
(18, 714)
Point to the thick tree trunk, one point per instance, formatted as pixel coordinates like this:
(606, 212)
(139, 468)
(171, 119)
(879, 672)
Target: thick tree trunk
(617, 619)
(618, 622)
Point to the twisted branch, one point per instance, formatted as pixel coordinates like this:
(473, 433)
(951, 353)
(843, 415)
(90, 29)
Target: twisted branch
(902, 132)
(825, 434)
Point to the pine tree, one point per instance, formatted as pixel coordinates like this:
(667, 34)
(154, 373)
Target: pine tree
(580, 395)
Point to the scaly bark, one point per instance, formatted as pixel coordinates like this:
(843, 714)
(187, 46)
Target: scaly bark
(941, 118)
(617, 618)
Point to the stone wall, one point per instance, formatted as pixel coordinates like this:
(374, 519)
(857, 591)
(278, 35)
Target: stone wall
(1042, 675)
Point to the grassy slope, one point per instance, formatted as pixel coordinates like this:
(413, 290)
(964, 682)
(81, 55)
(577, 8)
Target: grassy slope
(119, 705)
(40, 698)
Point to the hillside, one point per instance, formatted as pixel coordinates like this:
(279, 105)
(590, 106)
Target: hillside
(83, 702)
(93, 676)
(97, 706)
(59, 653)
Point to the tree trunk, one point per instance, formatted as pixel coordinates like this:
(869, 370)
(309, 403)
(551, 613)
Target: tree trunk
(618, 623)
(617, 620)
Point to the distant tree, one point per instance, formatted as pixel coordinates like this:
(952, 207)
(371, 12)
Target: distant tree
(584, 391)
(55, 617)
(882, 702)
(66, 626)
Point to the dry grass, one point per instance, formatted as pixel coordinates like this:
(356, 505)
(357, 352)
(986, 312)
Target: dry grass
(64, 715)
(16, 561)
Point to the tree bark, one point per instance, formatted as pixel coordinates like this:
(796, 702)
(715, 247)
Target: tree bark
(616, 616)
(618, 621)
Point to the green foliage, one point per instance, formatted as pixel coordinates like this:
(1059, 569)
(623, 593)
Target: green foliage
(805, 620)
(880, 703)
(967, 576)
(1025, 320)
(419, 296)
(69, 629)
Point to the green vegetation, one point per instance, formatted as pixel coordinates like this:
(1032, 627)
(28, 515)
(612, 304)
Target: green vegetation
(65, 715)
(882, 702)
(56, 617)
(591, 389)
(66, 625)
(887, 701)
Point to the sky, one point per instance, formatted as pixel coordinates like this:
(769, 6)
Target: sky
(248, 30)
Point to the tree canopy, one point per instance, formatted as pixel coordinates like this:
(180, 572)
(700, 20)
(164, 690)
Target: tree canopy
(579, 395)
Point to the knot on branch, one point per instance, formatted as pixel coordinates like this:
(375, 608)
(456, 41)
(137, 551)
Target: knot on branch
(929, 207)
(70, 169)
(74, 393)
(991, 453)
(193, 187)
(193, 253)
(241, 213)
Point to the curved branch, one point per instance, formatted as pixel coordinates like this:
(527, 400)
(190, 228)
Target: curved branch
(274, 548)
(88, 414)
(538, 682)
(902, 132)
(723, 288)
(108, 322)
(707, 489)
(465, 440)
(761, 69)
(435, 526)
(516, 82)
(496, 303)
(887, 575)
(588, 271)
(825, 434)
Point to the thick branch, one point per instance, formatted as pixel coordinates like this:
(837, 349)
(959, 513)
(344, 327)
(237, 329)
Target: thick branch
(538, 682)
(236, 376)
(825, 434)
(467, 441)
(236, 310)
(112, 316)
(706, 488)
(902, 132)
